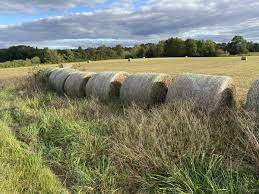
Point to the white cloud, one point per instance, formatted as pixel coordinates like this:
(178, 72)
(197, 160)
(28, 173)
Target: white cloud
(154, 20)
(12, 6)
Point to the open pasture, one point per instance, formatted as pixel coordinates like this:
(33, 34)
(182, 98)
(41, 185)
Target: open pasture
(243, 72)
(56, 144)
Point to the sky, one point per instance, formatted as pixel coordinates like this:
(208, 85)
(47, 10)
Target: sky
(90, 23)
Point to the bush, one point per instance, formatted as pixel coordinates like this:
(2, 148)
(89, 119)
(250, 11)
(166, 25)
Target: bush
(20, 63)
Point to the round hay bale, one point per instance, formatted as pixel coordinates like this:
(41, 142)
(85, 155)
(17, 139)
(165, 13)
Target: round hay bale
(58, 77)
(244, 58)
(105, 85)
(252, 102)
(44, 74)
(145, 88)
(206, 91)
(52, 76)
(76, 82)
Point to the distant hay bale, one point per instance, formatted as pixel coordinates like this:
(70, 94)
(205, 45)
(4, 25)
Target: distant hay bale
(67, 65)
(145, 88)
(252, 102)
(244, 58)
(75, 84)
(105, 85)
(206, 91)
(58, 77)
(129, 59)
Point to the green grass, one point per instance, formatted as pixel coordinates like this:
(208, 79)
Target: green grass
(254, 54)
(22, 171)
(90, 147)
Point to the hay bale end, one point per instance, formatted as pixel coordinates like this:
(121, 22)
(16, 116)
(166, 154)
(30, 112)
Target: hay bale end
(244, 58)
(205, 91)
(145, 88)
(58, 77)
(105, 85)
(43, 75)
(75, 84)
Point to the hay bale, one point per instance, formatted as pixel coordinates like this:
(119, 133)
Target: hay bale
(52, 76)
(244, 58)
(129, 59)
(206, 91)
(252, 102)
(145, 88)
(105, 85)
(44, 75)
(75, 84)
(58, 77)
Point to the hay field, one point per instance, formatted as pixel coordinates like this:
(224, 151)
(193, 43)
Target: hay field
(55, 144)
(243, 72)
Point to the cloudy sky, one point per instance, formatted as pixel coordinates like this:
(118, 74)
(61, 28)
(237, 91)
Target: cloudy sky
(87, 23)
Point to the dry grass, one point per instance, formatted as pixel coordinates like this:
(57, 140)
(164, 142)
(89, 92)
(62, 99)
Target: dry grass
(243, 72)
(94, 147)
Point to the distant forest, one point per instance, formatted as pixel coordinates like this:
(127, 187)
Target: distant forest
(173, 47)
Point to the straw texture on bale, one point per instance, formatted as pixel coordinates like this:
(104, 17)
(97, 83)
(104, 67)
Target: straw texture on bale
(76, 82)
(252, 102)
(58, 77)
(244, 58)
(105, 85)
(145, 88)
(45, 74)
(209, 92)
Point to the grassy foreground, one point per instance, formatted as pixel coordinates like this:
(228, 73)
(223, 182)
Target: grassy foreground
(54, 144)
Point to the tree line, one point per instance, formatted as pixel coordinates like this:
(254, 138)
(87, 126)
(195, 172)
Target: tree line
(173, 47)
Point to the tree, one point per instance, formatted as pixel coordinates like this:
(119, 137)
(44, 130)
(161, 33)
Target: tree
(51, 56)
(191, 48)
(210, 48)
(69, 55)
(119, 51)
(160, 49)
(175, 47)
(238, 45)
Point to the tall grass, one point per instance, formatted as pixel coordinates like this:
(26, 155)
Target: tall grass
(22, 171)
(107, 148)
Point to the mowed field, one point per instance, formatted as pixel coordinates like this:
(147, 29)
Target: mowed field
(51, 143)
(243, 72)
